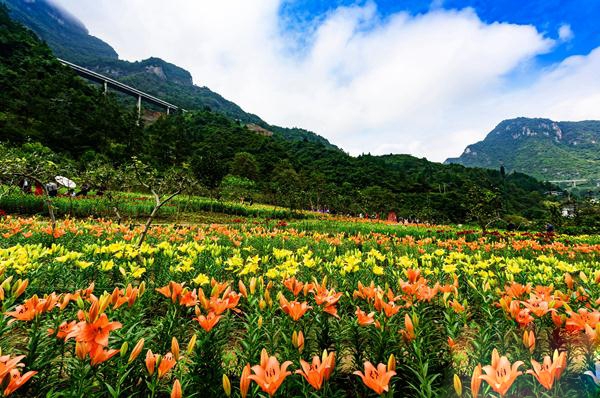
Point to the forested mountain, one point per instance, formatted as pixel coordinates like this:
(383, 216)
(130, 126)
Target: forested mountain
(45, 105)
(69, 39)
(542, 148)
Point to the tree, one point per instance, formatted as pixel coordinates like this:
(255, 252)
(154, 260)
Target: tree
(244, 164)
(163, 186)
(237, 188)
(286, 185)
(484, 206)
(209, 168)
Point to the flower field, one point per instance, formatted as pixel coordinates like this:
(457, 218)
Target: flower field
(311, 308)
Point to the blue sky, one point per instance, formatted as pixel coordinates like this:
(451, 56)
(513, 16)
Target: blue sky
(424, 77)
(582, 16)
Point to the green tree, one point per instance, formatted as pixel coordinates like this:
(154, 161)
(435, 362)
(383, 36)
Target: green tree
(237, 188)
(244, 164)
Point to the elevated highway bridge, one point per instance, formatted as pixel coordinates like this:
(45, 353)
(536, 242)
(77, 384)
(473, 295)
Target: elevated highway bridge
(107, 82)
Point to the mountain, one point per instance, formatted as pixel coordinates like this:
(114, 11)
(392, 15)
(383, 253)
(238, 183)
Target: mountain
(69, 39)
(67, 36)
(543, 148)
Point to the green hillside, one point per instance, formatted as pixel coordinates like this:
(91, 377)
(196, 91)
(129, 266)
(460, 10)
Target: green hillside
(542, 148)
(69, 39)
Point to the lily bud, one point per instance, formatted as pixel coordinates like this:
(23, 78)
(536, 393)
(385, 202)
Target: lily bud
(457, 385)
(391, 365)
(6, 284)
(176, 391)
(81, 350)
(245, 381)
(191, 345)
(124, 348)
(94, 311)
(175, 348)
(253, 285)
(103, 303)
(242, 289)
(21, 286)
(80, 304)
(142, 288)
(300, 342)
(260, 321)
(226, 385)
(150, 362)
(136, 350)
(262, 304)
(295, 339)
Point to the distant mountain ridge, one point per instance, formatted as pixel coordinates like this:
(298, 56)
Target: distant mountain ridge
(69, 39)
(543, 148)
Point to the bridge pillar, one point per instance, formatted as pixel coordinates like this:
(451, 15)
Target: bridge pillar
(105, 87)
(139, 107)
(168, 111)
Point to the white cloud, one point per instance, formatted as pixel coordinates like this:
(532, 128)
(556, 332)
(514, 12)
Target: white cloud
(427, 84)
(565, 33)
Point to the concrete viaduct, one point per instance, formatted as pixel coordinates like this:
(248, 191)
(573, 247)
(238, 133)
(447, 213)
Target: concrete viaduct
(107, 82)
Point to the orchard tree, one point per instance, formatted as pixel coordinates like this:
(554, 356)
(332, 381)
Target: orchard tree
(484, 206)
(163, 186)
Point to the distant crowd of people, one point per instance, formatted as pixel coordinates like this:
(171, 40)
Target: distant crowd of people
(52, 188)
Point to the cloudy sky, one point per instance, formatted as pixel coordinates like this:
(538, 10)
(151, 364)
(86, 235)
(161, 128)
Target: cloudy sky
(425, 77)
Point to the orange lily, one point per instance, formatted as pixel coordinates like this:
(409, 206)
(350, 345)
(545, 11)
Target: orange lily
(547, 372)
(17, 380)
(500, 375)
(167, 363)
(293, 285)
(100, 355)
(209, 321)
(294, 309)
(313, 373)
(377, 379)
(269, 374)
(365, 319)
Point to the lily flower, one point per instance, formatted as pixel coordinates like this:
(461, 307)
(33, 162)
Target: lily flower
(209, 321)
(546, 372)
(294, 309)
(269, 374)
(377, 379)
(17, 380)
(500, 375)
(365, 319)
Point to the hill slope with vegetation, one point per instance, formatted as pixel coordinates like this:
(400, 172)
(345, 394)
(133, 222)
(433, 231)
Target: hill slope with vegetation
(542, 148)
